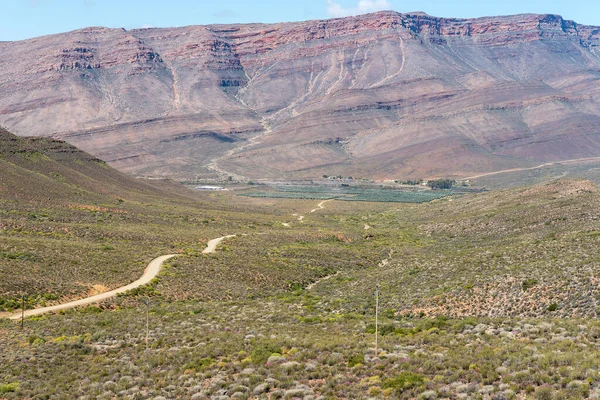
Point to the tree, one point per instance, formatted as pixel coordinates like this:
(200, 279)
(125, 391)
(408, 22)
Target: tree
(441, 184)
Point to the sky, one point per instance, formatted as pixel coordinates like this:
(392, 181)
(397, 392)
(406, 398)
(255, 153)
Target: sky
(22, 19)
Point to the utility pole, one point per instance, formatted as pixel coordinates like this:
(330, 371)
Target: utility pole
(376, 320)
(147, 302)
(23, 312)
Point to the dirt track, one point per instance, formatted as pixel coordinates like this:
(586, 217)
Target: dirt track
(150, 273)
(212, 244)
(549, 164)
(320, 206)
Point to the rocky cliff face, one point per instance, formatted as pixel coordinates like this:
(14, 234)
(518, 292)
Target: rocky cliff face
(379, 95)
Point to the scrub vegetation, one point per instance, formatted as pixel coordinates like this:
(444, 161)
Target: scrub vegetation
(490, 295)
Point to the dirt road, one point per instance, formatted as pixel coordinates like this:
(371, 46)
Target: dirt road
(320, 206)
(325, 278)
(150, 273)
(549, 164)
(212, 244)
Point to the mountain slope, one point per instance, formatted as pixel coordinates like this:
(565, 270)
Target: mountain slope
(379, 95)
(54, 172)
(71, 226)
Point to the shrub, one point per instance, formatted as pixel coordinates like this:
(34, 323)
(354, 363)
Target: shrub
(528, 284)
(544, 393)
(404, 381)
(200, 364)
(91, 310)
(10, 387)
(262, 351)
(469, 321)
(355, 360)
(387, 329)
(439, 322)
(35, 339)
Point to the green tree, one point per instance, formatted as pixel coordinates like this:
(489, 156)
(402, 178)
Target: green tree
(441, 184)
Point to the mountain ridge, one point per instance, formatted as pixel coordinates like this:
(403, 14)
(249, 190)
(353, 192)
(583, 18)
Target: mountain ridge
(365, 95)
(568, 26)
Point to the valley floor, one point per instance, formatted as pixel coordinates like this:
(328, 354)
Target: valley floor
(491, 295)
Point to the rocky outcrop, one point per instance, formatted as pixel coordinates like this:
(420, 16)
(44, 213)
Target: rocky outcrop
(499, 30)
(378, 95)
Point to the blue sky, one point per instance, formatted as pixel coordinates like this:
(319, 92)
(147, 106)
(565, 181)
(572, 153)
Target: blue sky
(29, 18)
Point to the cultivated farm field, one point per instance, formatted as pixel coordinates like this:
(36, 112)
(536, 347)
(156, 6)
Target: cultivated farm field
(348, 193)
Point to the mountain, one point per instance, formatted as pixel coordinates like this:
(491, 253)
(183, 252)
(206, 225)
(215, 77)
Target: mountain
(382, 95)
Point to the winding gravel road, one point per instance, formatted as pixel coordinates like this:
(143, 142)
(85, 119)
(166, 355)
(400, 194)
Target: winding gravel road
(320, 206)
(212, 244)
(548, 164)
(150, 273)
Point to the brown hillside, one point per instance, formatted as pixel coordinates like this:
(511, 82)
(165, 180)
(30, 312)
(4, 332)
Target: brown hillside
(51, 171)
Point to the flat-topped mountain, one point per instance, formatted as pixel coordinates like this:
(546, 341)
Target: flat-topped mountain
(383, 95)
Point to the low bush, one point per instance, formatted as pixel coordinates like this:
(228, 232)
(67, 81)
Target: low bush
(10, 387)
(263, 350)
(404, 381)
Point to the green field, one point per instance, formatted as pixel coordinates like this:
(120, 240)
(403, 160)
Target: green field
(351, 194)
(292, 195)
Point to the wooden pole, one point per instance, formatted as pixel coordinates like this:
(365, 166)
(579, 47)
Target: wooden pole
(23, 312)
(147, 320)
(376, 320)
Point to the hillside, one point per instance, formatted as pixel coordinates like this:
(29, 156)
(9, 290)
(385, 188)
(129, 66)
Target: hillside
(485, 295)
(71, 225)
(382, 95)
(489, 295)
(505, 254)
(42, 170)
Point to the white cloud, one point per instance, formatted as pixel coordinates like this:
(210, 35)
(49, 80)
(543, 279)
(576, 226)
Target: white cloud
(336, 10)
(225, 14)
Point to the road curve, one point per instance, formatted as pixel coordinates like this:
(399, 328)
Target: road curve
(211, 247)
(320, 206)
(150, 273)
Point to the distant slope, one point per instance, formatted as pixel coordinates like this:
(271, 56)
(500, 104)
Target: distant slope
(381, 95)
(52, 171)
